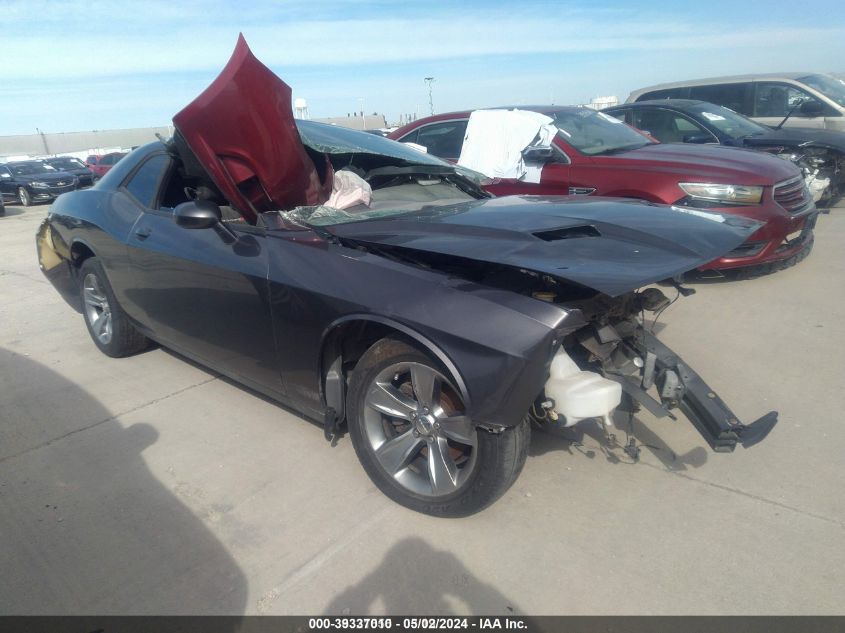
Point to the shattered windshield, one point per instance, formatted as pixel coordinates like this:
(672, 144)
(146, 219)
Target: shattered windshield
(831, 88)
(727, 121)
(595, 133)
(331, 139)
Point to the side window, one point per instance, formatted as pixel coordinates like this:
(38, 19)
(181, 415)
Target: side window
(410, 138)
(669, 93)
(443, 139)
(735, 96)
(776, 99)
(5, 173)
(669, 127)
(144, 183)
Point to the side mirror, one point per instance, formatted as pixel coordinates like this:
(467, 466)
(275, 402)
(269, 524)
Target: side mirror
(534, 154)
(197, 214)
(811, 107)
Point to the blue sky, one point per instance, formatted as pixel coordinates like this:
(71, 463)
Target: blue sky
(91, 64)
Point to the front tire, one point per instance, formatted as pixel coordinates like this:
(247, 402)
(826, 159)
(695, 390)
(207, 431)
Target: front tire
(23, 197)
(107, 323)
(408, 426)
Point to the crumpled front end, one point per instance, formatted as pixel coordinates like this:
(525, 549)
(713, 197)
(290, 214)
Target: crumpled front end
(615, 362)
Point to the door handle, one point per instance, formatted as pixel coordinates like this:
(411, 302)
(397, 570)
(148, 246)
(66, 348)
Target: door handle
(143, 233)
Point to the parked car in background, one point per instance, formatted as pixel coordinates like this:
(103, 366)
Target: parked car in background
(73, 166)
(100, 165)
(819, 153)
(592, 153)
(31, 181)
(808, 99)
(438, 323)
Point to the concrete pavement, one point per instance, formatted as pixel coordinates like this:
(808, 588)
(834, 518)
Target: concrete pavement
(150, 485)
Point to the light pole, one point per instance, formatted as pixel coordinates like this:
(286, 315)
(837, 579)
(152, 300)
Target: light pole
(429, 81)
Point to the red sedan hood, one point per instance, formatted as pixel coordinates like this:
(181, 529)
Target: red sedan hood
(242, 131)
(713, 163)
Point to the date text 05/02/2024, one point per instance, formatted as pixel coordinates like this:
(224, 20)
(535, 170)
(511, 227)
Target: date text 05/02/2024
(418, 623)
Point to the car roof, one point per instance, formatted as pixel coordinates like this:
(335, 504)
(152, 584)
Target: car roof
(542, 109)
(677, 103)
(725, 79)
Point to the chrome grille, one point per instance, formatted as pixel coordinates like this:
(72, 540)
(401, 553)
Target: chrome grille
(793, 195)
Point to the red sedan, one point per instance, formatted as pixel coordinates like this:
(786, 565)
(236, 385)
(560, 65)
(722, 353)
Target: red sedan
(590, 153)
(101, 164)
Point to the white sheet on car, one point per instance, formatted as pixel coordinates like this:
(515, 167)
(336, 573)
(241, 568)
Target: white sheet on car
(494, 141)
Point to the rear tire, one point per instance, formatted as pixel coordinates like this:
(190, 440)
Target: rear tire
(407, 451)
(107, 323)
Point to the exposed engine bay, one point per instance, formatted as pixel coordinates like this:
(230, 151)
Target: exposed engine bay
(617, 361)
(823, 169)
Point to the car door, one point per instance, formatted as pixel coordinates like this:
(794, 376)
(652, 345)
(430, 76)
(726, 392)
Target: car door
(669, 126)
(202, 292)
(8, 188)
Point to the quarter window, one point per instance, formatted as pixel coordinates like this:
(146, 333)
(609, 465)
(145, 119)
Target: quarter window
(734, 96)
(144, 183)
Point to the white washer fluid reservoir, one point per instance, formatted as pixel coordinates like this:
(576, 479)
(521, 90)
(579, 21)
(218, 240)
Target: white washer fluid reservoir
(579, 395)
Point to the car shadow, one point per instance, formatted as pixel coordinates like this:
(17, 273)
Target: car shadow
(415, 578)
(588, 439)
(87, 527)
(12, 211)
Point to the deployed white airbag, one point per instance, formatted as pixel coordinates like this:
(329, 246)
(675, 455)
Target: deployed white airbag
(349, 190)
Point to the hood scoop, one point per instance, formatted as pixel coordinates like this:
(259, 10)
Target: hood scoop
(568, 233)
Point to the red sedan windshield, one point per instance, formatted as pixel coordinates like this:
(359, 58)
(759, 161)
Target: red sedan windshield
(594, 133)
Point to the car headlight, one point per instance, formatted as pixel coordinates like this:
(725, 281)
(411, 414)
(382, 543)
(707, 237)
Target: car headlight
(734, 194)
(39, 184)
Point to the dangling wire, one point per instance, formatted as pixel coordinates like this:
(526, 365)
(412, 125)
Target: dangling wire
(660, 311)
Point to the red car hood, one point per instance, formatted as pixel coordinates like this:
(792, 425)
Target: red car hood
(710, 163)
(242, 131)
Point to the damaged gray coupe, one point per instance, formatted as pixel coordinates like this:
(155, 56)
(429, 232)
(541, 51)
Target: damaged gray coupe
(372, 287)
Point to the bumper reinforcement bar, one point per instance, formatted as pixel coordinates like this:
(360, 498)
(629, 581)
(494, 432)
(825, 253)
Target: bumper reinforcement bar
(680, 386)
